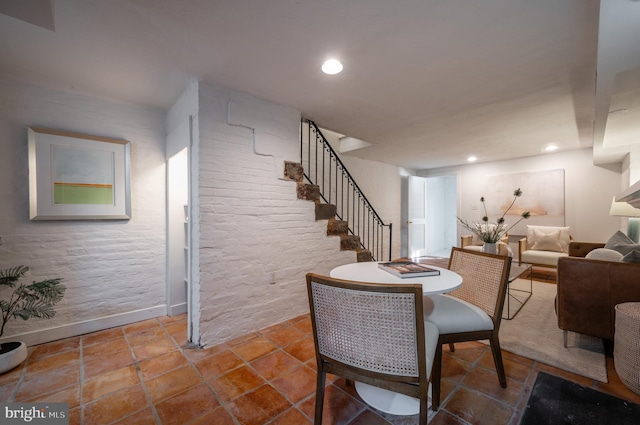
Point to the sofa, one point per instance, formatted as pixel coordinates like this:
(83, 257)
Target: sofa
(544, 245)
(474, 243)
(591, 280)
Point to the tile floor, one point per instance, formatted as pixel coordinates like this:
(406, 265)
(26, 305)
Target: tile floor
(145, 373)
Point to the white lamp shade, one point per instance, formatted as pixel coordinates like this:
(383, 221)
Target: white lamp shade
(622, 209)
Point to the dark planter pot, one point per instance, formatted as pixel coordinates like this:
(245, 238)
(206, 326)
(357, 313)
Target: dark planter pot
(12, 354)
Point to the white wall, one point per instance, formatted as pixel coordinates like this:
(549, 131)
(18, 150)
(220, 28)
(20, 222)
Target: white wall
(114, 270)
(588, 189)
(256, 239)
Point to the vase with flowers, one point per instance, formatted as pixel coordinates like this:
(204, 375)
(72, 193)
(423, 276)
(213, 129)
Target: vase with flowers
(491, 233)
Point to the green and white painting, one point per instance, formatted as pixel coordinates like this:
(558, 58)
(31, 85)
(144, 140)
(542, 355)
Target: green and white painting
(82, 176)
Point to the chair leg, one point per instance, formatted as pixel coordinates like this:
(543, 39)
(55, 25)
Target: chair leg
(497, 359)
(452, 347)
(436, 375)
(320, 380)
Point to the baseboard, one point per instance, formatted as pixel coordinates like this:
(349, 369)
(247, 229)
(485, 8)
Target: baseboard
(178, 309)
(81, 328)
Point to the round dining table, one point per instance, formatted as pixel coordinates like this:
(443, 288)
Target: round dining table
(379, 398)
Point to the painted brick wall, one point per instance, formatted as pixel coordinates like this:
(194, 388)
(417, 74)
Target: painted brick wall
(114, 270)
(253, 229)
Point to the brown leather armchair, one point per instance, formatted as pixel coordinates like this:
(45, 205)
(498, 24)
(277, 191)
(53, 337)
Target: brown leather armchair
(588, 291)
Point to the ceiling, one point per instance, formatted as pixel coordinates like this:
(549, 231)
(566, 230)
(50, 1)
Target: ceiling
(426, 82)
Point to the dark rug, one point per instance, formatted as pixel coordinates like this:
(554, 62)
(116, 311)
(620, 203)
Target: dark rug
(555, 400)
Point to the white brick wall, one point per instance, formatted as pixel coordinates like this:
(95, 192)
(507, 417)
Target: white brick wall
(114, 270)
(253, 228)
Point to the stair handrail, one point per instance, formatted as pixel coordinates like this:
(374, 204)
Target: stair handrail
(350, 181)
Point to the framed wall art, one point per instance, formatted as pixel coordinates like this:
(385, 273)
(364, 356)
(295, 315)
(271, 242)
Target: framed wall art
(76, 176)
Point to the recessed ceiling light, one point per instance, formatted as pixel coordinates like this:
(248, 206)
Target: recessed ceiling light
(551, 148)
(472, 159)
(332, 66)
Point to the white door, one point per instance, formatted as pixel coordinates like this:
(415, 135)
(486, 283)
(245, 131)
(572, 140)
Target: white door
(417, 226)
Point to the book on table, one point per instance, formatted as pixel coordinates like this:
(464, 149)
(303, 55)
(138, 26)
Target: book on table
(408, 269)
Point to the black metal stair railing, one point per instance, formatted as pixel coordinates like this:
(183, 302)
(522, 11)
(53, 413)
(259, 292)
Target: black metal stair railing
(323, 167)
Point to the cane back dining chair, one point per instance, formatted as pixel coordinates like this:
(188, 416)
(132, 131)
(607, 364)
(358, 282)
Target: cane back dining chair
(371, 333)
(473, 311)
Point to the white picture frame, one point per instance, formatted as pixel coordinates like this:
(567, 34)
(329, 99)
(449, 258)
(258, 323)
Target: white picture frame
(75, 176)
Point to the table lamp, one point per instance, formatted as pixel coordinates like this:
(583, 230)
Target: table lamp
(622, 209)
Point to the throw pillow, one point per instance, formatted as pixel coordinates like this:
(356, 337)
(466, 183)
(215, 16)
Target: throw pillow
(604, 254)
(563, 240)
(621, 243)
(632, 257)
(546, 241)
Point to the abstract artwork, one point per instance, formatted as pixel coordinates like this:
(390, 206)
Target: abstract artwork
(76, 176)
(542, 196)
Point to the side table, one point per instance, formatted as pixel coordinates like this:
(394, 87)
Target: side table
(626, 345)
(517, 297)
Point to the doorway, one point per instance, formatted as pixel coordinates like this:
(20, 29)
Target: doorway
(433, 228)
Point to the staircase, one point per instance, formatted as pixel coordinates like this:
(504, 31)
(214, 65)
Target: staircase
(322, 178)
(311, 192)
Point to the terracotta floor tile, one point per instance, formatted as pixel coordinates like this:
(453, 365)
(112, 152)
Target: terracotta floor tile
(218, 364)
(146, 336)
(470, 353)
(304, 325)
(218, 416)
(478, 409)
(75, 416)
(172, 383)
(186, 406)
(296, 384)
(303, 350)
(109, 382)
(259, 406)
(54, 361)
(70, 395)
(254, 348)
(275, 364)
(6, 391)
(453, 367)
(115, 406)
(138, 326)
(176, 328)
(12, 376)
(101, 336)
(294, 417)
(95, 365)
(158, 365)
(55, 347)
(339, 408)
(243, 339)
(369, 418)
(285, 336)
(46, 382)
(445, 418)
(194, 354)
(513, 368)
(235, 383)
(172, 319)
(105, 348)
(487, 382)
(142, 417)
(582, 380)
(153, 349)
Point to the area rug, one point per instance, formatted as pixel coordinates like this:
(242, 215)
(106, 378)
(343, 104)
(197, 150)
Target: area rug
(555, 400)
(534, 333)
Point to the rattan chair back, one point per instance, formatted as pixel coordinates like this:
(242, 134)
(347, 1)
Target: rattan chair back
(484, 279)
(368, 332)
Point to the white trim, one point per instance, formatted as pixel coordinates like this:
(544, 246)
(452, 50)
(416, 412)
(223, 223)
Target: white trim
(81, 328)
(177, 309)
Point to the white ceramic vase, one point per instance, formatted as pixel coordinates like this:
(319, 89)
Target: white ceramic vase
(490, 248)
(13, 353)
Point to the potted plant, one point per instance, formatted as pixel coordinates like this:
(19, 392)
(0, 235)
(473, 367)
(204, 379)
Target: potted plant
(24, 301)
(491, 233)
